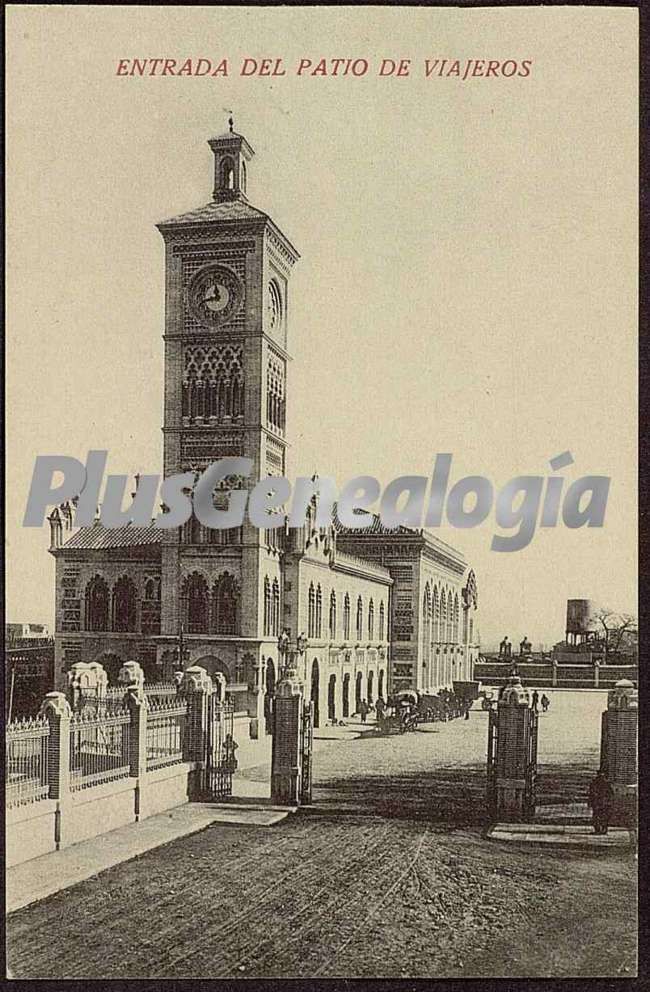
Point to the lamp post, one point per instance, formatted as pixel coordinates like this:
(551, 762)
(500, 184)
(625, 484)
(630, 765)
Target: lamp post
(183, 652)
(284, 643)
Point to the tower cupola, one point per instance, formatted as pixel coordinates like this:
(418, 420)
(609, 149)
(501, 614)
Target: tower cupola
(231, 154)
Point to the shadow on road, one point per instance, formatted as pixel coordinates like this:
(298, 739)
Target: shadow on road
(450, 796)
(453, 796)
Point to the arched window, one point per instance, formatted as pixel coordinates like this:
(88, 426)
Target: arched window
(456, 618)
(471, 630)
(275, 610)
(242, 177)
(346, 618)
(450, 618)
(227, 174)
(225, 605)
(319, 612)
(152, 588)
(332, 617)
(311, 612)
(267, 607)
(195, 607)
(125, 601)
(97, 597)
(426, 625)
(435, 632)
(443, 616)
(371, 620)
(465, 624)
(381, 620)
(150, 606)
(359, 619)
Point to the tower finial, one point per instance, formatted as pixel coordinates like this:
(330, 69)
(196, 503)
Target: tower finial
(230, 120)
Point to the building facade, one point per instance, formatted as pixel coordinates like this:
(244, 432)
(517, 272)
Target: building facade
(221, 598)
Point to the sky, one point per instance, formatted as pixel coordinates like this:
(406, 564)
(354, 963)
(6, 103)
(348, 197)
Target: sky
(468, 279)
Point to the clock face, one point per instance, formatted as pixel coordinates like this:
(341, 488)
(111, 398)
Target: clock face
(214, 295)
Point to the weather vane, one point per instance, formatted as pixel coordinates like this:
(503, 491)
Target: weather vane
(230, 120)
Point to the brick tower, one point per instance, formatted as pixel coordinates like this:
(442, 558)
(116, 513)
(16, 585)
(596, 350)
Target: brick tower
(227, 274)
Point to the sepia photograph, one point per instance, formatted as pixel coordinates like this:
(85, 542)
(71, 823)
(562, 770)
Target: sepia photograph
(321, 639)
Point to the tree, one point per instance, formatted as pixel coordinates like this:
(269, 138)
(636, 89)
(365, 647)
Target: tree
(614, 626)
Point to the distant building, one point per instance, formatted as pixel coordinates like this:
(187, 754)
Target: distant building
(29, 668)
(15, 632)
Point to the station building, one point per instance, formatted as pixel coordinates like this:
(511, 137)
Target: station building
(380, 608)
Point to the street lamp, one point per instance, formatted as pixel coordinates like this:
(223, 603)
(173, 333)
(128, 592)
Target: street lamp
(183, 652)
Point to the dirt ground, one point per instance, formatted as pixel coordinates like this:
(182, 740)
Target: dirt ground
(388, 875)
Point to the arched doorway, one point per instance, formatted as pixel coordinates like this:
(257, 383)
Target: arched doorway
(371, 679)
(315, 689)
(269, 695)
(331, 698)
(212, 665)
(346, 695)
(357, 692)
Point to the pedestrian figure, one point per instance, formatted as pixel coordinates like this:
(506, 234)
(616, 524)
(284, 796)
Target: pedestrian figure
(467, 709)
(601, 795)
(363, 710)
(229, 760)
(535, 700)
(380, 706)
(546, 702)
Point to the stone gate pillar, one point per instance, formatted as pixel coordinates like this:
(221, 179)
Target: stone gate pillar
(286, 755)
(197, 686)
(86, 682)
(516, 754)
(618, 747)
(131, 675)
(56, 708)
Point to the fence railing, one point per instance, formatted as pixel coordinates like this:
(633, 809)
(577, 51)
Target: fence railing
(103, 737)
(161, 689)
(99, 746)
(115, 694)
(166, 723)
(27, 772)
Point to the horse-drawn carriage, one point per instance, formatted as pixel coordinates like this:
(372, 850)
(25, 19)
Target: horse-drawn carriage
(401, 713)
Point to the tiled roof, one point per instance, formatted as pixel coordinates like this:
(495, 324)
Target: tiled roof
(376, 527)
(98, 537)
(228, 136)
(223, 210)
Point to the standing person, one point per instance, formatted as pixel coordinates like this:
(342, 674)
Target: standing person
(379, 709)
(546, 702)
(601, 795)
(363, 710)
(535, 699)
(229, 748)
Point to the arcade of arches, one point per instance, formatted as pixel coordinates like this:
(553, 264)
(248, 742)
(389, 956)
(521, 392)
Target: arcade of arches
(341, 693)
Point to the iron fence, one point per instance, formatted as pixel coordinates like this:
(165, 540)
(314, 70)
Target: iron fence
(166, 724)
(161, 690)
(27, 761)
(99, 746)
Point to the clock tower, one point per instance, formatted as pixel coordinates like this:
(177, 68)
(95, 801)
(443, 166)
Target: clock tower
(226, 309)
